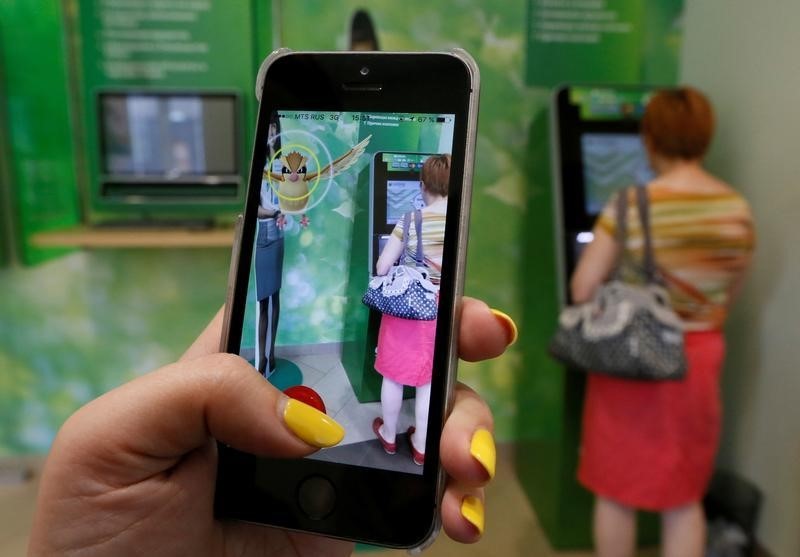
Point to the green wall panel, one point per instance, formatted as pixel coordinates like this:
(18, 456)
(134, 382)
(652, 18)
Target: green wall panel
(37, 130)
(6, 214)
(75, 326)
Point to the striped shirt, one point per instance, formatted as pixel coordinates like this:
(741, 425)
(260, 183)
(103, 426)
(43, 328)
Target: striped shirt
(702, 242)
(433, 221)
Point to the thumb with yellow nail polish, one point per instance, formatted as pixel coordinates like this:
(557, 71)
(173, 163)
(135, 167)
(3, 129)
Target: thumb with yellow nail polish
(309, 424)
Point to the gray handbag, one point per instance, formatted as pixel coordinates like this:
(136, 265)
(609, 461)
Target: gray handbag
(627, 330)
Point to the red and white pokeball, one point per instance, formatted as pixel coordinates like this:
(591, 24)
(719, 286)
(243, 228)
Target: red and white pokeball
(306, 395)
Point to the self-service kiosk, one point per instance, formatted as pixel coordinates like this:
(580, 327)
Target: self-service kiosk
(165, 107)
(394, 190)
(597, 150)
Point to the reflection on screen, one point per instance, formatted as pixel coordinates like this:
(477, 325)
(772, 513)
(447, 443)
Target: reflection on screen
(611, 161)
(305, 327)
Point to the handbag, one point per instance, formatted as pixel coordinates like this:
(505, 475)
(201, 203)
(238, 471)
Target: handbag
(405, 291)
(627, 330)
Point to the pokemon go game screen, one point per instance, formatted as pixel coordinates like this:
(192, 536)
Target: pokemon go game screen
(343, 289)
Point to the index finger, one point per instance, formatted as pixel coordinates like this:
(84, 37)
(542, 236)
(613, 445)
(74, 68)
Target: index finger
(209, 340)
(485, 332)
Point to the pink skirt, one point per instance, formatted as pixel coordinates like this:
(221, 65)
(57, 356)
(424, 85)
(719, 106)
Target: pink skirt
(652, 445)
(405, 350)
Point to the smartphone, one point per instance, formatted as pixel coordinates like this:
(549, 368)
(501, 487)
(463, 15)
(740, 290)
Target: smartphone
(342, 144)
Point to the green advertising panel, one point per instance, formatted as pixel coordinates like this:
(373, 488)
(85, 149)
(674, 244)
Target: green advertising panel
(602, 41)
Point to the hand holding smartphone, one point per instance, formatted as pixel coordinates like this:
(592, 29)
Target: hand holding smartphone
(350, 148)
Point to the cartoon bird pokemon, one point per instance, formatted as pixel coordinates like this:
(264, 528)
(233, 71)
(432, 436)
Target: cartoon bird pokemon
(294, 179)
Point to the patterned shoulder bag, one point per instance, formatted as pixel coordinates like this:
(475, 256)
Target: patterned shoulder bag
(405, 291)
(627, 330)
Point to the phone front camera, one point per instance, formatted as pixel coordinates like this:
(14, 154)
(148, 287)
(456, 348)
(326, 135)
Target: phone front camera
(364, 70)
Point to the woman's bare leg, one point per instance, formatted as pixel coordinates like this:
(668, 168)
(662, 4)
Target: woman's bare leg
(391, 402)
(614, 529)
(421, 406)
(683, 531)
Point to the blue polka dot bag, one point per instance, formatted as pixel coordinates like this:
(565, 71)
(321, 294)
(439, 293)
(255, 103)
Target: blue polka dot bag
(405, 291)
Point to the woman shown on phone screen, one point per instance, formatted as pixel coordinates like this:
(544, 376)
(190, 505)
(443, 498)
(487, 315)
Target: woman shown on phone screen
(405, 346)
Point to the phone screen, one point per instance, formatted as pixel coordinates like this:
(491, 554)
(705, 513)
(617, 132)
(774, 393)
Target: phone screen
(336, 191)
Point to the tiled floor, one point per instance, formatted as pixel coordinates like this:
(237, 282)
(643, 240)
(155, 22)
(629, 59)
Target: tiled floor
(322, 370)
(324, 373)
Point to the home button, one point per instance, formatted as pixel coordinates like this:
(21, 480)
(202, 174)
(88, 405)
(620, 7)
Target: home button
(316, 497)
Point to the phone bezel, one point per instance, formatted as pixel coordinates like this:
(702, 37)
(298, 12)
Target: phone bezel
(435, 83)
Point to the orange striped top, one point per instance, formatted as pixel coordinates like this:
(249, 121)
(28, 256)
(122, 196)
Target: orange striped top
(702, 243)
(434, 218)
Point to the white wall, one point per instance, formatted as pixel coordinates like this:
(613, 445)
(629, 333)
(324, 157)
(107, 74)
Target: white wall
(746, 56)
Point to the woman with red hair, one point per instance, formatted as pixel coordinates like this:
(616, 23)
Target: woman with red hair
(652, 445)
(405, 346)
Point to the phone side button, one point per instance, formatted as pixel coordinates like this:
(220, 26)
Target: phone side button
(316, 497)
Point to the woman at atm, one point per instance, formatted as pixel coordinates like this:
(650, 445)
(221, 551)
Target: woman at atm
(405, 346)
(652, 445)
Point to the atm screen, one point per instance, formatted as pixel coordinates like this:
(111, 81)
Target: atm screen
(396, 176)
(598, 149)
(168, 135)
(611, 161)
(395, 189)
(402, 196)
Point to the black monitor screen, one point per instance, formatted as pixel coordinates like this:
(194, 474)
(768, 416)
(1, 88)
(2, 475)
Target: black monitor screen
(611, 161)
(167, 136)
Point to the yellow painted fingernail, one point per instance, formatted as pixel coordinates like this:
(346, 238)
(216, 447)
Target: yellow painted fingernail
(472, 510)
(312, 426)
(483, 450)
(509, 324)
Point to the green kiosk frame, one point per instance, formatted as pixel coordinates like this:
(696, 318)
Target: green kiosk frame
(166, 108)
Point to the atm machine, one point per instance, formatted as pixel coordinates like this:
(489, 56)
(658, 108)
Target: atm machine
(596, 150)
(394, 190)
(166, 130)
